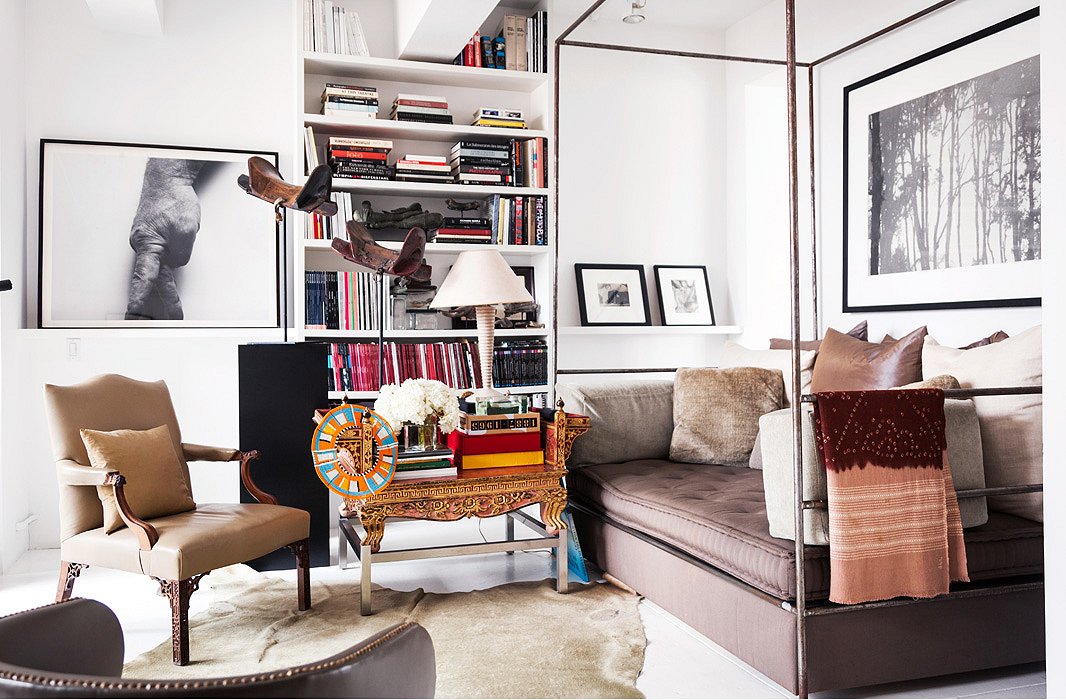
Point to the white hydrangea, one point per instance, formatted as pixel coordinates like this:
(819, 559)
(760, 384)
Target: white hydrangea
(415, 401)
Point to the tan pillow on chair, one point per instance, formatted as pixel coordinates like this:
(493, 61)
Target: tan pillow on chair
(716, 412)
(155, 484)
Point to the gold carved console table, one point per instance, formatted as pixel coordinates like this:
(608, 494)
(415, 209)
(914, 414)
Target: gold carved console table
(481, 493)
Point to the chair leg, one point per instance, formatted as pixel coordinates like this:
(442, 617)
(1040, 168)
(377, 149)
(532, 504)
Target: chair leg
(179, 592)
(68, 571)
(302, 551)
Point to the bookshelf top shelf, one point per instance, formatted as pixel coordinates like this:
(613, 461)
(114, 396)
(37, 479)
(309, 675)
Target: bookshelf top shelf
(357, 395)
(412, 131)
(650, 330)
(396, 70)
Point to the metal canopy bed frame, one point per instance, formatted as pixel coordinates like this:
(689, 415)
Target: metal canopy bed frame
(799, 607)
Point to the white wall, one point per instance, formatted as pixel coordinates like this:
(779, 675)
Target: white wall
(221, 75)
(13, 480)
(1053, 172)
(641, 181)
(822, 27)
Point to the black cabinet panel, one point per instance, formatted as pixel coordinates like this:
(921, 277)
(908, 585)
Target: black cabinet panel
(281, 385)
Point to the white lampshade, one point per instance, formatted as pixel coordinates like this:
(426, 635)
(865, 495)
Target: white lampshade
(480, 278)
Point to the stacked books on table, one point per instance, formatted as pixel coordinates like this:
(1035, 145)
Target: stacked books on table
(424, 464)
(487, 442)
(420, 108)
(481, 163)
(415, 168)
(464, 230)
(362, 159)
(498, 116)
(356, 101)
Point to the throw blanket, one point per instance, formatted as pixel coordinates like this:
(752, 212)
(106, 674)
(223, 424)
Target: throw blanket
(894, 527)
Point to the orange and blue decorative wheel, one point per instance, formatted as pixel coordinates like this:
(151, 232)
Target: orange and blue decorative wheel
(354, 451)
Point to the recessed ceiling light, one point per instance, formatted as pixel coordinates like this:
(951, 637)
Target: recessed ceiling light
(635, 17)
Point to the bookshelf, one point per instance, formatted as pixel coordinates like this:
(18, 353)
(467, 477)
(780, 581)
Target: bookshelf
(466, 89)
(650, 330)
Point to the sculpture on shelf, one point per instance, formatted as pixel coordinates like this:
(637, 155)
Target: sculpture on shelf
(411, 216)
(462, 207)
(362, 249)
(503, 318)
(265, 182)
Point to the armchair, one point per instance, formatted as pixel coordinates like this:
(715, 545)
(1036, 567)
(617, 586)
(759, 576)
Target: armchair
(176, 550)
(75, 649)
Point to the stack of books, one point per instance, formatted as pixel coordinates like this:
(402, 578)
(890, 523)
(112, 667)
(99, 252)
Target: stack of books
(329, 28)
(361, 159)
(412, 168)
(421, 108)
(356, 101)
(498, 116)
(346, 301)
(464, 230)
(518, 220)
(507, 440)
(520, 44)
(520, 362)
(530, 157)
(424, 464)
(354, 366)
(481, 163)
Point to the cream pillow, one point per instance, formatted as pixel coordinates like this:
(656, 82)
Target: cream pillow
(155, 483)
(716, 412)
(736, 355)
(1011, 426)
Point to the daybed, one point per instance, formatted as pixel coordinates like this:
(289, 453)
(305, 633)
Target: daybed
(694, 539)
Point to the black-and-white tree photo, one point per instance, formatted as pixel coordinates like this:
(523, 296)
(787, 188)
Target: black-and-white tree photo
(153, 236)
(954, 175)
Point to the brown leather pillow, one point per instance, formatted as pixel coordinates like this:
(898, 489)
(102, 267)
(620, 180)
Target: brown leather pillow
(849, 364)
(155, 484)
(996, 337)
(859, 331)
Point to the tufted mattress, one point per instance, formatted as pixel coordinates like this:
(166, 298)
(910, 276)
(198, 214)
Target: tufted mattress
(718, 515)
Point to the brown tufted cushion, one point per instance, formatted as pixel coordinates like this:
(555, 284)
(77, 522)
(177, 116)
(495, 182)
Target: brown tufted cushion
(718, 515)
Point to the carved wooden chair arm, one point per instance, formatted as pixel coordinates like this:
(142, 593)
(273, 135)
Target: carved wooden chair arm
(246, 478)
(147, 535)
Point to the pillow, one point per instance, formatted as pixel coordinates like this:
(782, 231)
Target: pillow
(716, 412)
(850, 364)
(859, 331)
(155, 483)
(940, 381)
(1011, 426)
(630, 420)
(994, 338)
(735, 355)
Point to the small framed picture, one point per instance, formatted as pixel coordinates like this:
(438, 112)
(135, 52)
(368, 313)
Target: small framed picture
(684, 295)
(612, 295)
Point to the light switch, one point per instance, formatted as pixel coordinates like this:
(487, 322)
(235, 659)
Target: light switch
(72, 348)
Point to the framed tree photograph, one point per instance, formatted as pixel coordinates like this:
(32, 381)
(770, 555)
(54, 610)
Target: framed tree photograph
(149, 236)
(684, 295)
(612, 295)
(942, 177)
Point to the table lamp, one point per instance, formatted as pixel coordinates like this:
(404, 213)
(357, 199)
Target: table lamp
(482, 279)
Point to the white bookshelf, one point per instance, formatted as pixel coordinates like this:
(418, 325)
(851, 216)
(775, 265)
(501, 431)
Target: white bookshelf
(466, 89)
(357, 395)
(650, 330)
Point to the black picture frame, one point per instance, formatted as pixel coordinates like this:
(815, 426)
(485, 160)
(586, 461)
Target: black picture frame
(219, 180)
(662, 302)
(847, 302)
(580, 270)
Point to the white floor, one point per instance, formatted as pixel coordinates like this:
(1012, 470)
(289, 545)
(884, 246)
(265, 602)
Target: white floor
(680, 663)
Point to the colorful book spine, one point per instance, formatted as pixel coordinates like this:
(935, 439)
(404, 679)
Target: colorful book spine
(501, 459)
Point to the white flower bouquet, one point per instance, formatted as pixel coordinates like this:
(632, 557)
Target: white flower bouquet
(417, 401)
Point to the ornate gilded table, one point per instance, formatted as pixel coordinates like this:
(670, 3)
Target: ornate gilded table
(481, 493)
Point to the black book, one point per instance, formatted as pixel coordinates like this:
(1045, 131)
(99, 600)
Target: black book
(351, 100)
(485, 162)
(361, 176)
(425, 118)
(465, 222)
(480, 170)
(480, 145)
(361, 167)
(488, 58)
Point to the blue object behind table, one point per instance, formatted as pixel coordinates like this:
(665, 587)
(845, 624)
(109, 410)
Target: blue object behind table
(575, 560)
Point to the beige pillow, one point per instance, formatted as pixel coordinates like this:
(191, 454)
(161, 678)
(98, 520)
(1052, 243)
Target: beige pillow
(716, 412)
(736, 355)
(1011, 431)
(630, 419)
(155, 483)
(940, 381)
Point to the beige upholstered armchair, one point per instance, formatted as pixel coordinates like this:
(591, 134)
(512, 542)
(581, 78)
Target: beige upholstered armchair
(175, 550)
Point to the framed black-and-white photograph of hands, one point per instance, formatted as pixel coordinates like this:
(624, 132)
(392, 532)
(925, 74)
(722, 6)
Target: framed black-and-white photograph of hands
(684, 295)
(148, 236)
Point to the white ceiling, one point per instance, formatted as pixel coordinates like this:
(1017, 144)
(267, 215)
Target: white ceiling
(688, 15)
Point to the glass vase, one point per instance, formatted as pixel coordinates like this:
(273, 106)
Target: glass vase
(420, 437)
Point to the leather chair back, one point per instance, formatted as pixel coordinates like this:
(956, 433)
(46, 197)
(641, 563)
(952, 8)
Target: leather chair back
(74, 650)
(105, 402)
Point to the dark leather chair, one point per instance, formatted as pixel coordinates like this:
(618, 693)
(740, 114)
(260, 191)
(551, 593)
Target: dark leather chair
(75, 649)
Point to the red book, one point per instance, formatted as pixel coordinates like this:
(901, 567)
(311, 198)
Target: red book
(465, 231)
(468, 53)
(463, 444)
(338, 153)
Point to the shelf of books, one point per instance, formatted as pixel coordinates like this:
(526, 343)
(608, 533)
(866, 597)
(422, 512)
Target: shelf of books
(460, 149)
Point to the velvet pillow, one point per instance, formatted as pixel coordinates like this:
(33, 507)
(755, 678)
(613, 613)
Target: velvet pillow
(859, 331)
(849, 364)
(717, 411)
(155, 482)
(1011, 426)
(735, 355)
